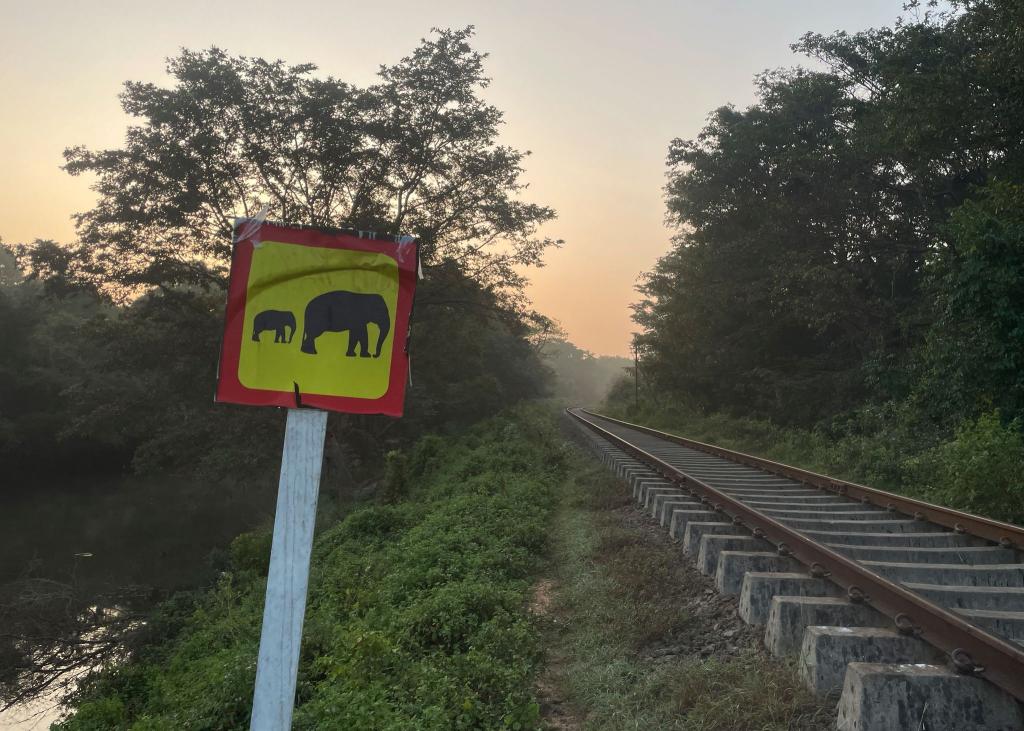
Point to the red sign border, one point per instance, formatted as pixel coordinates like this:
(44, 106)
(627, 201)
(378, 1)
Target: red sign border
(231, 390)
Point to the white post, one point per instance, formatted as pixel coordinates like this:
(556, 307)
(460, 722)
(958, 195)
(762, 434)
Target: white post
(285, 608)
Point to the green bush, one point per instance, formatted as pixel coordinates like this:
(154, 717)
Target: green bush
(396, 476)
(251, 552)
(980, 471)
(416, 615)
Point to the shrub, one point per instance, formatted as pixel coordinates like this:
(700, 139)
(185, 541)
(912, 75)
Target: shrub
(981, 470)
(251, 552)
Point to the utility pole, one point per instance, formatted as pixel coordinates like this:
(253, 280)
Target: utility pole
(636, 376)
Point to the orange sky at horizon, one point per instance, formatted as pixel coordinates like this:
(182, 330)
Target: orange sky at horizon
(596, 90)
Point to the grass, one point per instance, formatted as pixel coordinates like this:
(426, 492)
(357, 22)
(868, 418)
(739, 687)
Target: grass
(631, 624)
(416, 617)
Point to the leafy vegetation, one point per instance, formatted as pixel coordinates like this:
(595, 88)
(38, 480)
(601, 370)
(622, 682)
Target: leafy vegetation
(822, 228)
(848, 260)
(416, 616)
(415, 152)
(976, 469)
(118, 333)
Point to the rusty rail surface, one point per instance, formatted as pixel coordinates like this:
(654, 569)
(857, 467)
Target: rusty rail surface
(1005, 534)
(971, 649)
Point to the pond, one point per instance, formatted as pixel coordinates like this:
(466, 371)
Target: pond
(114, 532)
(99, 534)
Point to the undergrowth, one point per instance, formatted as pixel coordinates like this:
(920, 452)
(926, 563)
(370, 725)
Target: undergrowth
(416, 614)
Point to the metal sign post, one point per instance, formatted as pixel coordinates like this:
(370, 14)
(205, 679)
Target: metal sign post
(302, 306)
(288, 579)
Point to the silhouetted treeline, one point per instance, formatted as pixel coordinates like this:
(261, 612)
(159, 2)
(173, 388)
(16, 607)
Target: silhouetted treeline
(857, 235)
(90, 386)
(111, 342)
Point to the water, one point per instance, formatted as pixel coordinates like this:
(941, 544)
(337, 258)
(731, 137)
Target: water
(99, 534)
(115, 532)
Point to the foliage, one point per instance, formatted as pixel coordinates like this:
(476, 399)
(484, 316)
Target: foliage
(470, 356)
(821, 229)
(415, 152)
(116, 338)
(979, 470)
(120, 386)
(39, 326)
(976, 469)
(395, 484)
(973, 356)
(111, 344)
(845, 290)
(416, 611)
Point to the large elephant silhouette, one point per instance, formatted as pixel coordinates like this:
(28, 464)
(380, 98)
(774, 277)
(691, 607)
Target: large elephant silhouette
(276, 320)
(340, 311)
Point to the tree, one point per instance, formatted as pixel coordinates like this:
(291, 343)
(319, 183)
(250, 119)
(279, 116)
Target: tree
(581, 378)
(10, 274)
(972, 358)
(110, 345)
(416, 153)
(791, 264)
(42, 317)
(796, 285)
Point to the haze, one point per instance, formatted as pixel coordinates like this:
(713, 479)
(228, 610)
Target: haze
(595, 89)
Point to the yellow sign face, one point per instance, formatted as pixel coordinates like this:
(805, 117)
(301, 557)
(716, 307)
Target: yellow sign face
(319, 318)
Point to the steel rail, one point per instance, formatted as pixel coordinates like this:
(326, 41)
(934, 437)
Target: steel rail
(1005, 534)
(972, 650)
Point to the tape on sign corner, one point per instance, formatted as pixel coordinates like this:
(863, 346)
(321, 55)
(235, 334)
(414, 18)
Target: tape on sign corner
(407, 239)
(252, 226)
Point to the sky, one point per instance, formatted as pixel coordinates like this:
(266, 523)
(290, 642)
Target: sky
(594, 89)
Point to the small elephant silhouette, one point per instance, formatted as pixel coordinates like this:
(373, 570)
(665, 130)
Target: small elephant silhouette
(276, 320)
(340, 311)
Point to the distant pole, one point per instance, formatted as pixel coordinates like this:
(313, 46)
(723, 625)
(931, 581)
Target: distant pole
(288, 580)
(636, 376)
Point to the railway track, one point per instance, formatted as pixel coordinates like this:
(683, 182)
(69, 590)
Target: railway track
(913, 614)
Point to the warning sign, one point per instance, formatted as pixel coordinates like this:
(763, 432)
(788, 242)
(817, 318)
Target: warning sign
(317, 318)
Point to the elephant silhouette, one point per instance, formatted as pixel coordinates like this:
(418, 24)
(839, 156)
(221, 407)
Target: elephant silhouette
(340, 311)
(276, 320)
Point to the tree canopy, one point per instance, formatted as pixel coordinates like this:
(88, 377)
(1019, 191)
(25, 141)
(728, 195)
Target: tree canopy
(821, 229)
(417, 152)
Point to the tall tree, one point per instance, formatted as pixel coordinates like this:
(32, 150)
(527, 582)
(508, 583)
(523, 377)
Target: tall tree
(972, 359)
(415, 153)
(806, 223)
(791, 264)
